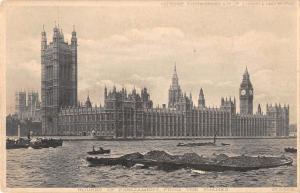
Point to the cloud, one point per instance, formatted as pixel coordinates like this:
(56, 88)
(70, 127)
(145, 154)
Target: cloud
(144, 57)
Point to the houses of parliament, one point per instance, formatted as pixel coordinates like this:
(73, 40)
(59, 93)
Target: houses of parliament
(129, 114)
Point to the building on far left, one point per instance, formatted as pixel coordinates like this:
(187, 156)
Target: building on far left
(28, 106)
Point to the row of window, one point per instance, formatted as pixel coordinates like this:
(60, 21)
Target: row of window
(98, 127)
(85, 118)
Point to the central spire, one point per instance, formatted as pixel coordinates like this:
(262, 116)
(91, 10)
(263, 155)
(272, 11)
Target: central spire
(174, 91)
(175, 78)
(246, 72)
(175, 68)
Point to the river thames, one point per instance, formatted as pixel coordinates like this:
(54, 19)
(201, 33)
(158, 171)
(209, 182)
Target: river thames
(66, 166)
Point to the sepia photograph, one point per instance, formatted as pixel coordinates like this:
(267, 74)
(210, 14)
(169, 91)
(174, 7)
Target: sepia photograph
(149, 96)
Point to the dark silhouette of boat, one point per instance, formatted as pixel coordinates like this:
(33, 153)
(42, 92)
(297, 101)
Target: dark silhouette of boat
(290, 150)
(224, 144)
(100, 151)
(195, 144)
(40, 143)
(199, 144)
(167, 162)
(17, 143)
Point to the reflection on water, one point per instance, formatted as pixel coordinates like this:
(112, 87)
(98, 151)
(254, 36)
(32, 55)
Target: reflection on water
(66, 166)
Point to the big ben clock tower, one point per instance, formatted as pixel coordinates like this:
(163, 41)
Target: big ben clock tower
(246, 95)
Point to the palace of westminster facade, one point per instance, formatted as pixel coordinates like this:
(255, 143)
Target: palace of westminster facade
(132, 115)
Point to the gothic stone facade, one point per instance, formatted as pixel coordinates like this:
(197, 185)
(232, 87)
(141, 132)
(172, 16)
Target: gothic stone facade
(28, 109)
(132, 115)
(59, 78)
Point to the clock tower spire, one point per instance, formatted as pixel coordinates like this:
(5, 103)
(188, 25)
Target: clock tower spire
(246, 95)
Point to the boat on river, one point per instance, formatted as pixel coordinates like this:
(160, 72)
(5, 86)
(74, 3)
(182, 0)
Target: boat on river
(17, 143)
(167, 162)
(104, 151)
(40, 143)
(195, 144)
(224, 144)
(100, 151)
(199, 144)
(290, 150)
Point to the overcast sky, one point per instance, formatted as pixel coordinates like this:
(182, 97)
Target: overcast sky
(139, 45)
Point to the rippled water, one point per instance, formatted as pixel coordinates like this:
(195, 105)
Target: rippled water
(66, 166)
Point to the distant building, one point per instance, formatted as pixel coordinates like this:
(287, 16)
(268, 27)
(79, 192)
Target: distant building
(30, 108)
(20, 101)
(293, 130)
(132, 115)
(279, 119)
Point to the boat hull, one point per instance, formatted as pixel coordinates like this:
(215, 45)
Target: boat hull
(290, 150)
(98, 152)
(237, 163)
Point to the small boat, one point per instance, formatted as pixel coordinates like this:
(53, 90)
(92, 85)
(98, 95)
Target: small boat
(290, 150)
(199, 144)
(195, 144)
(225, 144)
(101, 151)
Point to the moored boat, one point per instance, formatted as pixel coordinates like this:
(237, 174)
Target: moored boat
(40, 143)
(17, 143)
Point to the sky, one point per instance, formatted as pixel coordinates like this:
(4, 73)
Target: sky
(137, 45)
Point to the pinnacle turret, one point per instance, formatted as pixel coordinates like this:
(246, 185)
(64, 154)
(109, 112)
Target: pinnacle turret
(88, 103)
(259, 109)
(201, 100)
(174, 91)
(175, 83)
(43, 39)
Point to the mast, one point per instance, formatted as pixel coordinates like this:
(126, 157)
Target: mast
(19, 133)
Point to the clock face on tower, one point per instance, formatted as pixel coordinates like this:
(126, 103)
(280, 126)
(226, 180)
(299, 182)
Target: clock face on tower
(243, 92)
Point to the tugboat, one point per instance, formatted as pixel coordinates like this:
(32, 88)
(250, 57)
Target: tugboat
(290, 150)
(100, 151)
